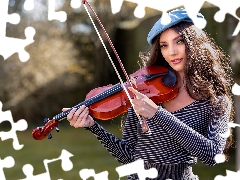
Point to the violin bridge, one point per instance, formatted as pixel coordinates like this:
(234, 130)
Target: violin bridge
(133, 81)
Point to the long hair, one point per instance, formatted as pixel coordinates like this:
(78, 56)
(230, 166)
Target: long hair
(208, 74)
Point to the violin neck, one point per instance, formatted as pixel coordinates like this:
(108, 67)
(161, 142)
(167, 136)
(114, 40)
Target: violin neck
(113, 90)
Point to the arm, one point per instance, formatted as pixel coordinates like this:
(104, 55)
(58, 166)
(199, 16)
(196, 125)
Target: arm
(205, 148)
(121, 150)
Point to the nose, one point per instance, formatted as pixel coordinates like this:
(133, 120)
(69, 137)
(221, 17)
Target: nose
(172, 50)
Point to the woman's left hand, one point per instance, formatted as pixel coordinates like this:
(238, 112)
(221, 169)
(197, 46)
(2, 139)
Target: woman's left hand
(143, 105)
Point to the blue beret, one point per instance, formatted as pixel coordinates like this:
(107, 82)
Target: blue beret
(176, 16)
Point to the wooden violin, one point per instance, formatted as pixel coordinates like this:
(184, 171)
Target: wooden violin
(105, 103)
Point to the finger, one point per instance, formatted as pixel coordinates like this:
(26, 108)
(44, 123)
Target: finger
(84, 113)
(65, 109)
(137, 101)
(137, 93)
(78, 112)
(82, 118)
(70, 114)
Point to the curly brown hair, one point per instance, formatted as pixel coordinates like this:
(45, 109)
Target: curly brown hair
(208, 74)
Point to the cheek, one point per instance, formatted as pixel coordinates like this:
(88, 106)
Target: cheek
(183, 50)
(164, 54)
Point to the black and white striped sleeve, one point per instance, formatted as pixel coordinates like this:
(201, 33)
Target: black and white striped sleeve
(203, 147)
(121, 149)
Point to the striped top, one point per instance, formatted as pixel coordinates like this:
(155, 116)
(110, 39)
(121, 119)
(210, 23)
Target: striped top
(179, 137)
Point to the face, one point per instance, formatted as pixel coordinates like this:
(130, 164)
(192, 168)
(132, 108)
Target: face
(173, 49)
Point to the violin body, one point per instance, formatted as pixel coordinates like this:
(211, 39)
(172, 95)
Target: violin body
(148, 81)
(107, 102)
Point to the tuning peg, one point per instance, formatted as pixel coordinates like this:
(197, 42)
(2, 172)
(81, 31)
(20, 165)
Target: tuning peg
(56, 128)
(45, 120)
(49, 135)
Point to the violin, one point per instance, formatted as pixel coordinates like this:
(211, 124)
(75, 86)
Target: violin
(105, 103)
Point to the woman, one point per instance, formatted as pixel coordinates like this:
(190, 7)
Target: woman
(188, 127)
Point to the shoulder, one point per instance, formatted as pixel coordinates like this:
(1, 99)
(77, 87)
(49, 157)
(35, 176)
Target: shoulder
(221, 109)
(221, 103)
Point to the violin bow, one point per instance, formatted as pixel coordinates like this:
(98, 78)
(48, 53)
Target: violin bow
(142, 120)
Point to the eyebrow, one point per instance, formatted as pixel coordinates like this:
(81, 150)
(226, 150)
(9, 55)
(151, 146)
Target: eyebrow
(173, 39)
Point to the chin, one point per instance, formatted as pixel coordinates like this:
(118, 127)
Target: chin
(178, 68)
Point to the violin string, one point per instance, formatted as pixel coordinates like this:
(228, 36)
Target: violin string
(119, 77)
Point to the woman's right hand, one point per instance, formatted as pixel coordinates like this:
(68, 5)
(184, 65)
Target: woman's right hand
(79, 118)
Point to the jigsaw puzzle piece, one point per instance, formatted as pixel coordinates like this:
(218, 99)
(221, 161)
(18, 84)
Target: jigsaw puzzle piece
(29, 5)
(75, 4)
(237, 29)
(193, 8)
(5, 17)
(138, 168)
(229, 175)
(7, 162)
(227, 7)
(67, 165)
(20, 125)
(28, 171)
(52, 14)
(8, 45)
(87, 173)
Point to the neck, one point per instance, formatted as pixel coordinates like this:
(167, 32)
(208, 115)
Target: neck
(180, 78)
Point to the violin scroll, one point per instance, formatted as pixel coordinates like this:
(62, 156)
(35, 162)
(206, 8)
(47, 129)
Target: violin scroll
(42, 132)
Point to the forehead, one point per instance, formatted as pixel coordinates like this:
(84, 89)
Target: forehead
(169, 34)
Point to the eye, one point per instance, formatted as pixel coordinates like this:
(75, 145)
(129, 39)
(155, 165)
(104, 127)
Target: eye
(180, 41)
(163, 45)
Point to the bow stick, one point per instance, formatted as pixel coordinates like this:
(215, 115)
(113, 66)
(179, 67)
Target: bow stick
(142, 120)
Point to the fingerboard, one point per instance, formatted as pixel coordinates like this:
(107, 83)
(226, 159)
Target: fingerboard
(113, 90)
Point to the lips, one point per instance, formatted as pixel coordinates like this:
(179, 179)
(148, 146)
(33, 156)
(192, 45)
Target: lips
(176, 61)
